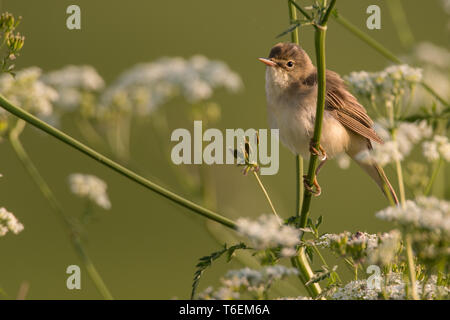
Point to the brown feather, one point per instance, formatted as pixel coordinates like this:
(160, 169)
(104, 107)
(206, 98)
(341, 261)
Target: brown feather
(346, 109)
(344, 106)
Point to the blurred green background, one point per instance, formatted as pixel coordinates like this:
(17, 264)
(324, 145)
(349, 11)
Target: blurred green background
(145, 247)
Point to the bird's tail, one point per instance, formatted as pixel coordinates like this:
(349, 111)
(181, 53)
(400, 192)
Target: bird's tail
(377, 173)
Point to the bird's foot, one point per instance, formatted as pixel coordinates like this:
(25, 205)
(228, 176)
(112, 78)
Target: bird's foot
(320, 152)
(315, 192)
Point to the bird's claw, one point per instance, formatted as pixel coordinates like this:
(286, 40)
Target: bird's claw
(315, 192)
(320, 152)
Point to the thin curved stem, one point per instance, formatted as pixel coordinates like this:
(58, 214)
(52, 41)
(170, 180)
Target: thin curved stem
(437, 167)
(267, 196)
(49, 196)
(34, 121)
(299, 185)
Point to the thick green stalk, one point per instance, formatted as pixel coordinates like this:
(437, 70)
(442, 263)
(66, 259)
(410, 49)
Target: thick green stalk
(382, 50)
(293, 18)
(49, 196)
(301, 261)
(22, 114)
(320, 32)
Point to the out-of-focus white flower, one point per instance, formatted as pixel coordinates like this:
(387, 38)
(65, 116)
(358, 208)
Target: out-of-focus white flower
(246, 280)
(343, 161)
(394, 288)
(382, 154)
(266, 232)
(71, 81)
(362, 245)
(437, 148)
(28, 92)
(429, 53)
(407, 136)
(435, 62)
(8, 222)
(295, 298)
(425, 214)
(368, 240)
(91, 187)
(368, 83)
(146, 86)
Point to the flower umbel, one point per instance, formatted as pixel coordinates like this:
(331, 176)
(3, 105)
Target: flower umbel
(90, 187)
(8, 222)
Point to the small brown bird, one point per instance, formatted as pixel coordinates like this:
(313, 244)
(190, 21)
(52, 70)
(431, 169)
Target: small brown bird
(291, 91)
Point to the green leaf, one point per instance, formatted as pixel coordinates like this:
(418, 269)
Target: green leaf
(288, 30)
(206, 261)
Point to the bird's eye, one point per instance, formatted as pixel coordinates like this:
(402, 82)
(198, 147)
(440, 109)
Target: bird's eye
(290, 64)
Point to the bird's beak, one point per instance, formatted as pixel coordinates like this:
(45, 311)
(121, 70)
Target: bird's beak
(268, 62)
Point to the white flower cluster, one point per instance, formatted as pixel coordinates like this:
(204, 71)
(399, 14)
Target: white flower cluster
(148, 85)
(91, 187)
(377, 249)
(266, 232)
(437, 148)
(426, 213)
(8, 222)
(394, 289)
(71, 81)
(28, 92)
(295, 298)
(388, 82)
(368, 240)
(407, 136)
(246, 280)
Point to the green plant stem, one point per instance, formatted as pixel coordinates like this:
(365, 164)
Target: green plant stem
(401, 184)
(293, 18)
(299, 185)
(401, 23)
(435, 94)
(436, 169)
(305, 273)
(382, 50)
(49, 196)
(22, 114)
(364, 37)
(267, 196)
(300, 9)
(320, 33)
(301, 261)
(411, 267)
(298, 159)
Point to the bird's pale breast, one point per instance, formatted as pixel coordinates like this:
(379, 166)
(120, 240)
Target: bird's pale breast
(294, 116)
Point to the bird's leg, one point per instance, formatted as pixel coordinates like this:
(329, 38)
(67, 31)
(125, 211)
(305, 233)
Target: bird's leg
(316, 152)
(306, 183)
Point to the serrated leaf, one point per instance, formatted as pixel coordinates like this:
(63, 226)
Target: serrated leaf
(206, 261)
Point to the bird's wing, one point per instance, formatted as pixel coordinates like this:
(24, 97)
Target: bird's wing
(346, 109)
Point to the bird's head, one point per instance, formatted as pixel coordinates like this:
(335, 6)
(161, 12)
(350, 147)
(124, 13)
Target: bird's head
(287, 64)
